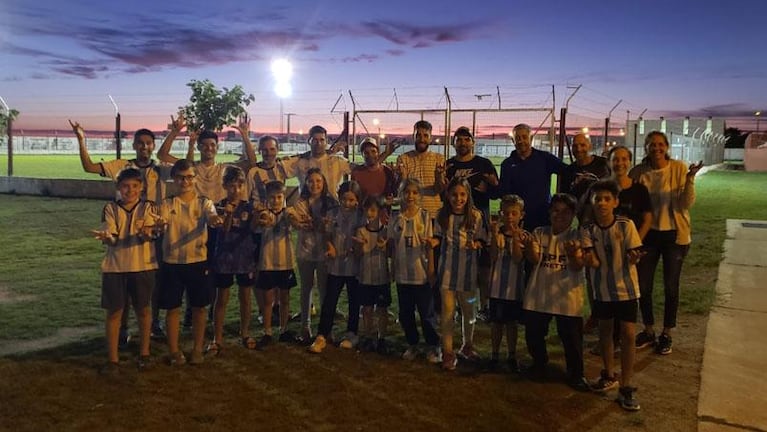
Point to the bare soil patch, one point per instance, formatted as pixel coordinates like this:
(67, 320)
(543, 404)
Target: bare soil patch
(8, 297)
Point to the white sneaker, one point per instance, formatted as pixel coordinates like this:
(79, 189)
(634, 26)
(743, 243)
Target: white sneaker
(410, 354)
(318, 345)
(434, 356)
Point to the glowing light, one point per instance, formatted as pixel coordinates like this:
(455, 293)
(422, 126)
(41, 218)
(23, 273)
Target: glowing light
(282, 70)
(585, 130)
(376, 122)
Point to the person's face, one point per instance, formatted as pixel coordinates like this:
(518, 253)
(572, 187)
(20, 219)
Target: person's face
(657, 148)
(276, 201)
(561, 216)
(621, 162)
(522, 142)
(458, 197)
(411, 196)
(234, 189)
(130, 190)
(371, 155)
(512, 215)
(315, 184)
(581, 148)
(464, 145)
(349, 200)
(208, 148)
(604, 204)
(268, 151)
(144, 146)
(422, 139)
(185, 180)
(318, 142)
(371, 213)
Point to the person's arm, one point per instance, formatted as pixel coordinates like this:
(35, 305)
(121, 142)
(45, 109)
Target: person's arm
(440, 176)
(190, 148)
(644, 228)
(85, 157)
(176, 124)
(575, 257)
(244, 128)
(688, 194)
(533, 249)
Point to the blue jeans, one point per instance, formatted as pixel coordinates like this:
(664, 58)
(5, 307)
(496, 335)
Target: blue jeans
(657, 245)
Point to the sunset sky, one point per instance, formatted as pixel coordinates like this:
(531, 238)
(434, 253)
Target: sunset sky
(60, 59)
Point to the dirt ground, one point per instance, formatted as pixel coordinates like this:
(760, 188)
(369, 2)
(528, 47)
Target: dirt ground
(286, 388)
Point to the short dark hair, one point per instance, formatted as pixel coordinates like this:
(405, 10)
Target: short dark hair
(232, 174)
(565, 199)
(350, 186)
(262, 141)
(373, 201)
(512, 200)
(205, 134)
(180, 165)
(273, 187)
(317, 129)
(422, 124)
(130, 174)
(143, 131)
(605, 185)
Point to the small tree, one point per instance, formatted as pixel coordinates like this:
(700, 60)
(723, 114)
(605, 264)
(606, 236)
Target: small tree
(4, 117)
(213, 109)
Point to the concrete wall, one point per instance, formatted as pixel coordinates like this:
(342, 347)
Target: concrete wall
(93, 189)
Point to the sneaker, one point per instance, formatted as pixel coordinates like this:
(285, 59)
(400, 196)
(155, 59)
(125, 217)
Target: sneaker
(157, 332)
(349, 341)
(264, 342)
(434, 355)
(410, 354)
(197, 358)
(663, 347)
(605, 383)
(306, 336)
(110, 369)
(318, 345)
(124, 337)
(176, 359)
(144, 362)
(483, 314)
(467, 352)
(644, 339)
(579, 384)
(287, 336)
(312, 310)
(627, 399)
(449, 361)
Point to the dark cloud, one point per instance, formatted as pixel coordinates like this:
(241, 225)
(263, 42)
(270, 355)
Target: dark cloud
(395, 52)
(735, 109)
(417, 36)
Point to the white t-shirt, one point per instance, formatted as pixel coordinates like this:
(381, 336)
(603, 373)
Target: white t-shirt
(185, 238)
(130, 253)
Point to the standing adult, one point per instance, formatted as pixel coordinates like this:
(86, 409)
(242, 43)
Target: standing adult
(584, 171)
(154, 176)
(483, 179)
(426, 166)
(527, 172)
(334, 167)
(671, 184)
(375, 178)
(269, 169)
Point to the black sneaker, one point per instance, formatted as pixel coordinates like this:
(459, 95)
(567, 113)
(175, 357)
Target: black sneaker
(287, 336)
(264, 342)
(157, 331)
(483, 314)
(382, 347)
(644, 339)
(605, 382)
(663, 347)
(627, 399)
(579, 384)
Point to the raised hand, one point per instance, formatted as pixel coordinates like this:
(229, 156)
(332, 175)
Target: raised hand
(243, 125)
(694, 168)
(178, 123)
(77, 129)
(103, 235)
(572, 247)
(338, 147)
(331, 251)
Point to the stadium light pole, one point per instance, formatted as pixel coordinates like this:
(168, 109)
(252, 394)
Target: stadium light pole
(118, 140)
(282, 72)
(757, 114)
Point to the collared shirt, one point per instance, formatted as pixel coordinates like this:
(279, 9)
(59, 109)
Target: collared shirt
(422, 166)
(131, 253)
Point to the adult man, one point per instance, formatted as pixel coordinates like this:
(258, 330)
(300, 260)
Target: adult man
(427, 166)
(269, 169)
(527, 173)
(585, 169)
(483, 178)
(154, 176)
(333, 166)
(375, 179)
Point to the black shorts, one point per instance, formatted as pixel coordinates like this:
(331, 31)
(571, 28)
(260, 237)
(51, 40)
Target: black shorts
(504, 311)
(116, 287)
(625, 311)
(225, 280)
(178, 278)
(280, 279)
(375, 295)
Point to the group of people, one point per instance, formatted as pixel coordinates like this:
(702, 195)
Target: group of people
(423, 223)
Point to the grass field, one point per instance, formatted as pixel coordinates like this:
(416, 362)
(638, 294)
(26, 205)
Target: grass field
(49, 281)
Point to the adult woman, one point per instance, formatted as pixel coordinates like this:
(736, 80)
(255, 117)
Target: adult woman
(671, 185)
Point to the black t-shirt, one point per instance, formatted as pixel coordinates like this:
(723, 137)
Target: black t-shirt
(577, 178)
(634, 201)
(474, 172)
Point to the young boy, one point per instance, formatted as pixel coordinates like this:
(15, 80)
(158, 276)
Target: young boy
(275, 265)
(612, 247)
(507, 279)
(555, 290)
(130, 264)
(186, 218)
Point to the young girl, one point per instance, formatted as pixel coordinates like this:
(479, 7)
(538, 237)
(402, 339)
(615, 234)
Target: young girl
(309, 215)
(507, 278)
(374, 276)
(409, 234)
(460, 232)
(233, 258)
(275, 262)
(342, 268)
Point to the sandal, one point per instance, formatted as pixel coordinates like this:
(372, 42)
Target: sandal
(213, 349)
(249, 342)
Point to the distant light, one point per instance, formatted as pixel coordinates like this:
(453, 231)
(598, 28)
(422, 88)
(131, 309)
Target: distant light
(623, 132)
(376, 122)
(300, 131)
(436, 140)
(758, 113)
(282, 70)
(511, 134)
(283, 89)
(382, 136)
(585, 130)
